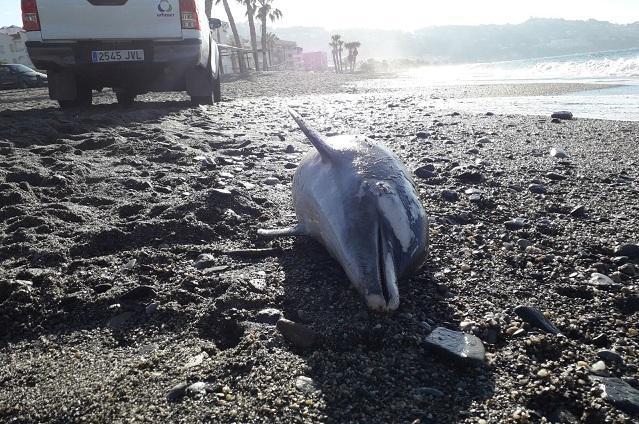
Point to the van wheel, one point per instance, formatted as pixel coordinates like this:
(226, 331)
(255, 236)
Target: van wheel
(84, 98)
(125, 98)
(206, 78)
(217, 87)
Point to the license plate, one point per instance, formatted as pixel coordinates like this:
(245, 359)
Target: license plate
(117, 56)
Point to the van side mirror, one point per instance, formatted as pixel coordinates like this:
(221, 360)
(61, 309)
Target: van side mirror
(214, 23)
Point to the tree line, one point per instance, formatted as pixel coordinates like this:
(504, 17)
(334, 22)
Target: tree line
(337, 46)
(264, 11)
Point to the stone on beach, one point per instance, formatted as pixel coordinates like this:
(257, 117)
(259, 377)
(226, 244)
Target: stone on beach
(460, 346)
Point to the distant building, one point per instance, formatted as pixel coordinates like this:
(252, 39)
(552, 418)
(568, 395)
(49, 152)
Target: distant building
(288, 54)
(315, 61)
(12, 46)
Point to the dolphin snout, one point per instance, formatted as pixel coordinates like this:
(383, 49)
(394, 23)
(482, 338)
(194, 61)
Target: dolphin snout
(378, 303)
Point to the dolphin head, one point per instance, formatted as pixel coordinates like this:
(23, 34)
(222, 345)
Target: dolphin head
(358, 199)
(386, 237)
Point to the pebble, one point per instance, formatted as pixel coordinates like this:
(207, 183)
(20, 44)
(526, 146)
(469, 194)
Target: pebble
(578, 211)
(139, 293)
(629, 250)
(610, 356)
(196, 389)
(426, 171)
(599, 367)
(422, 135)
(516, 224)
(558, 152)
(268, 316)
(305, 385)
(563, 114)
(628, 269)
(290, 149)
(220, 192)
(543, 373)
(537, 189)
(555, 176)
(450, 195)
(534, 317)
(600, 280)
(457, 345)
(298, 335)
(619, 393)
(177, 392)
(205, 260)
(271, 181)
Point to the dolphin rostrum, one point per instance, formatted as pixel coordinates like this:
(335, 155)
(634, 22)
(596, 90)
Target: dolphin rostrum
(358, 200)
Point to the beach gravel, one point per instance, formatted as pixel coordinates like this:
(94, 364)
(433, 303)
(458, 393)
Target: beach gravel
(134, 285)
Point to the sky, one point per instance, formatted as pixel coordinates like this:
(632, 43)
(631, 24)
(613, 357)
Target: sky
(409, 15)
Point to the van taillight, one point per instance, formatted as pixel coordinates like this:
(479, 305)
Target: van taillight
(188, 12)
(30, 19)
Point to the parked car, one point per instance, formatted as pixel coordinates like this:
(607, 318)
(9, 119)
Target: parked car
(14, 75)
(132, 46)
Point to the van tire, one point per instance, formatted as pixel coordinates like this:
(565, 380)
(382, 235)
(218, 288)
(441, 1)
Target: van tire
(206, 78)
(84, 98)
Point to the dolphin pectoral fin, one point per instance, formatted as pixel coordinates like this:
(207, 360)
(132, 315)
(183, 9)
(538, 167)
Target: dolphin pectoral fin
(297, 230)
(318, 141)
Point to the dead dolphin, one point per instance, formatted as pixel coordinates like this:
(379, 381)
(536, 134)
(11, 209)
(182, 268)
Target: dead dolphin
(358, 200)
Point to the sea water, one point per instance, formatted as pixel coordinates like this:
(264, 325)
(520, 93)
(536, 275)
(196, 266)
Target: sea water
(618, 68)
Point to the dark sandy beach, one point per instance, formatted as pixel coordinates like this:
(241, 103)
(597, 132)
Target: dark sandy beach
(130, 267)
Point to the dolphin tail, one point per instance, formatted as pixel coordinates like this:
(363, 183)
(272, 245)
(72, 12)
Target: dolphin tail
(318, 141)
(297, 230)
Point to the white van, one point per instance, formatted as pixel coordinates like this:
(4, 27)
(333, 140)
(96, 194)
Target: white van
(133, 46)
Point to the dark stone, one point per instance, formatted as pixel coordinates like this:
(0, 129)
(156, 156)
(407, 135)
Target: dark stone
(460, 346)
(555, 176)
(426, 171)
(450, 195)
(102, 288)
(564, 114)
(629, 250)
(298, 335)
(516, 224)
(619, 393)
(470, 177)
(422, 135)
(268, 316)
(537, 189)
(555, 120)
(601, 340)
(290, 149)
(578, 211)
(139, 293)
(534, 317)
(177, 392)
(610, 356)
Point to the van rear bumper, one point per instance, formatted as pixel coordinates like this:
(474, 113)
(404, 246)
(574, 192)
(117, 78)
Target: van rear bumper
(57, 55)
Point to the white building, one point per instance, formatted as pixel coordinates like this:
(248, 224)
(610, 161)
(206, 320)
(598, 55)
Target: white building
(12, 46)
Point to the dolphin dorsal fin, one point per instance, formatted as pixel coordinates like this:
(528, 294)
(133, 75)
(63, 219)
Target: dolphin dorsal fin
(318, 141)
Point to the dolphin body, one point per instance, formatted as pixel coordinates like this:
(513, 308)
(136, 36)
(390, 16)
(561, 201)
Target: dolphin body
(358, 200)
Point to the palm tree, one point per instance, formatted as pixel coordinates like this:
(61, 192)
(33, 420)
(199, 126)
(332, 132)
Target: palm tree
(335, 45)
(236, 35)
(264, 13)
(271, 40)
(251, 8)
(352, 54)
(340, 49)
